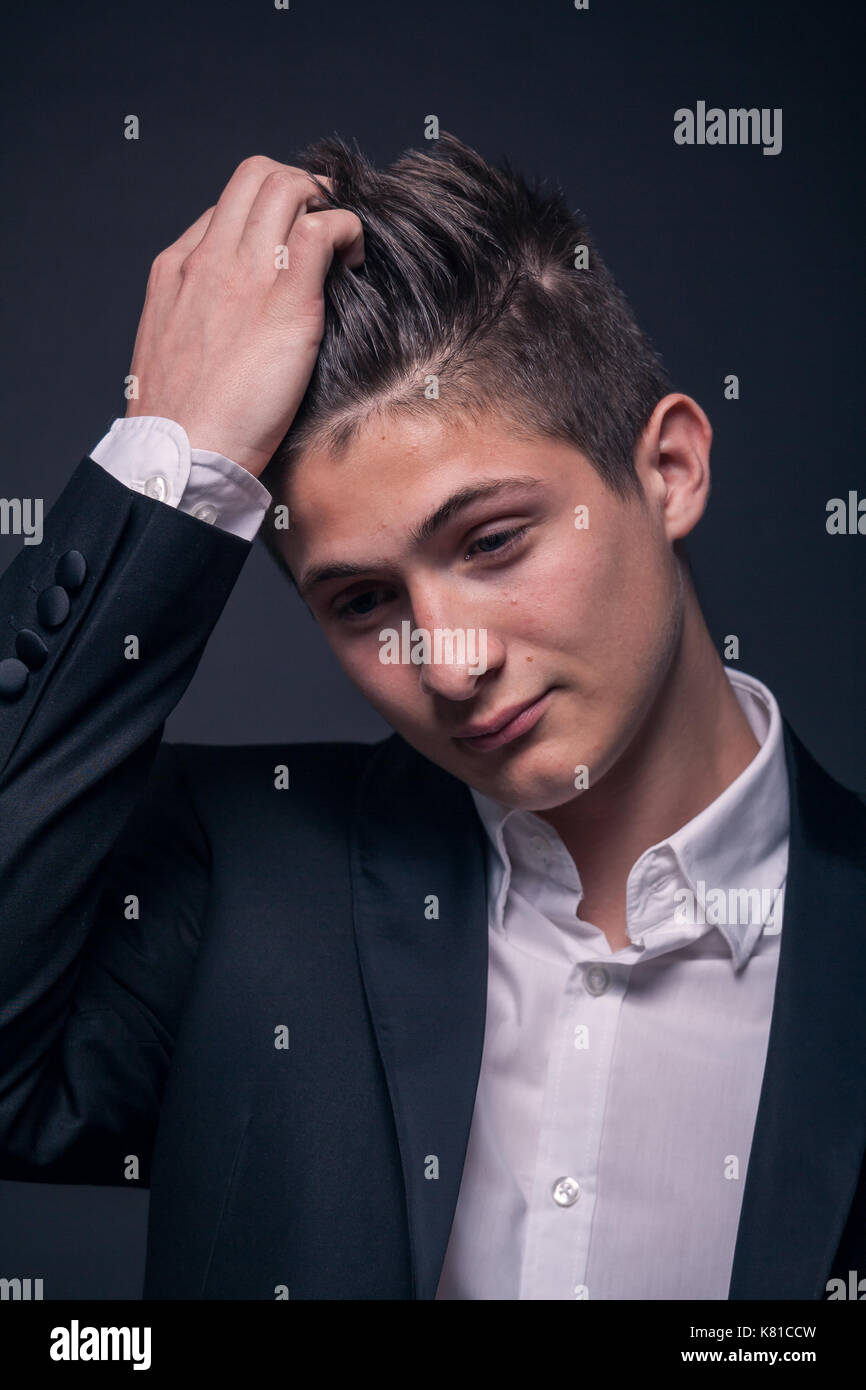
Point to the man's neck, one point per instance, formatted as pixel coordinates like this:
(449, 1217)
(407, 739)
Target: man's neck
(694, 742)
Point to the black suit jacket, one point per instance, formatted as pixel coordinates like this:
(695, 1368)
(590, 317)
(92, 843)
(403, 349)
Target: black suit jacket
(262, 909)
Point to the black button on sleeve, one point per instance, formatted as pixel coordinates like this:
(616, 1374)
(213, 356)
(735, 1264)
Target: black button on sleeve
(52, 606)
(13, 677)
(71, 570)
(31, 649)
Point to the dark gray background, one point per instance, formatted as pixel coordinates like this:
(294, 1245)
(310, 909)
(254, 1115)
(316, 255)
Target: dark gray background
(735, 262)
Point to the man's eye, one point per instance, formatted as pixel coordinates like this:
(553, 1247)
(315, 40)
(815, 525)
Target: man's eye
(361, 605)
(495, 542)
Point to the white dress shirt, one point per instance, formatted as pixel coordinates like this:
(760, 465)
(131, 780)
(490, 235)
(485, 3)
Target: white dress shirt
(153, 456)
(618, 1090)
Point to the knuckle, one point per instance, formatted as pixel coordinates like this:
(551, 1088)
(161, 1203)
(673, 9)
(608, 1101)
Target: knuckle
(196, 262)
(161, 265)
(312, 226)
(255, 163)
(278, 179)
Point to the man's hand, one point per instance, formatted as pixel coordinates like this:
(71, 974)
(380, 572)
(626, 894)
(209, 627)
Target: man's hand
(227, 341)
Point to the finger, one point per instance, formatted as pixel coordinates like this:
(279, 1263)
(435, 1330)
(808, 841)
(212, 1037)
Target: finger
(237, 198)
(283, 196)
(320, 178)
(190, 239)
(314, 240)
(329, 184)
(166, 272)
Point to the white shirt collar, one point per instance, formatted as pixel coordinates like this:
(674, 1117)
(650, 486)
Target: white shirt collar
(737, 843)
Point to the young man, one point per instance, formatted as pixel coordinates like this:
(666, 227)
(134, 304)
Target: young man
(554, 994)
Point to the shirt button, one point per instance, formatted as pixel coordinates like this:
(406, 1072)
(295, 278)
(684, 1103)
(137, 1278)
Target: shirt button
(565, 1192)
(156, 487)
(538, 845)
(596, 979)
(205, 512)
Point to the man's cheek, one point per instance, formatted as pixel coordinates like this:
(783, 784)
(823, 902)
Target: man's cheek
(567, 576)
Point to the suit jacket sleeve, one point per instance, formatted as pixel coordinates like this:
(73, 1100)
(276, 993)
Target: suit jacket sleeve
(103, 865)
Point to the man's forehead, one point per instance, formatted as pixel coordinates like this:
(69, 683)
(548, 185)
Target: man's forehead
(409, 460)
(424, 439)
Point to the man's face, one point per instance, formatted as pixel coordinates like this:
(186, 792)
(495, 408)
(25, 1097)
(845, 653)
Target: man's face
(581, 622)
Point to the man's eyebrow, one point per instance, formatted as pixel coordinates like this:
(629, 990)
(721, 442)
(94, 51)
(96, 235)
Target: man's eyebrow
(463, 498)
(445, 512)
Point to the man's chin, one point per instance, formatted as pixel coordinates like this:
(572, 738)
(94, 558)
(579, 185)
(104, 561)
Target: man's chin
(536, 777)
(532, 798)
(524, 785)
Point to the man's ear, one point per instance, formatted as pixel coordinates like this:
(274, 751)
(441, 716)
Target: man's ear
(673, 462)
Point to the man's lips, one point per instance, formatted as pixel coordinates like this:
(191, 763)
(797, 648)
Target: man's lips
(505, 726)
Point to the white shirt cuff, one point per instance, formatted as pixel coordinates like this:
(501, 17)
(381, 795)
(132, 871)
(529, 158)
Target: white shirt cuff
(152, 456)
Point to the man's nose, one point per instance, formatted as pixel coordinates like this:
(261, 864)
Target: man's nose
(456, 654)
(451, 679)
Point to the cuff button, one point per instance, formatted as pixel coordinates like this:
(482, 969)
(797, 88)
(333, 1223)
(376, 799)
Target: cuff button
(13, 678)
(52, 606)
(71, 570)
(156, 487)
(30, 648)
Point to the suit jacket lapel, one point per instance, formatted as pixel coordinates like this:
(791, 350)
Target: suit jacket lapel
(809, 1133)
(420, 896)
(418, 848)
